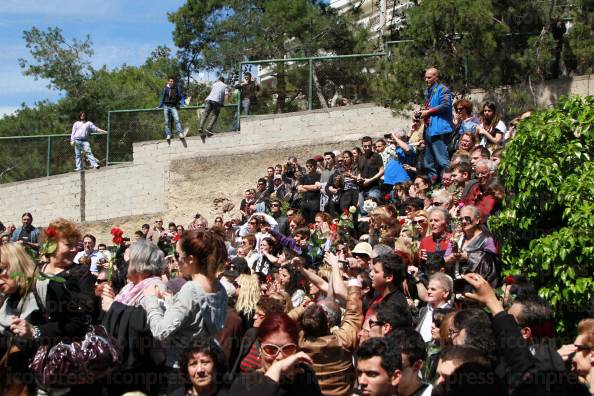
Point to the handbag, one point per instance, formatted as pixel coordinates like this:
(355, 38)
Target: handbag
(76, 362)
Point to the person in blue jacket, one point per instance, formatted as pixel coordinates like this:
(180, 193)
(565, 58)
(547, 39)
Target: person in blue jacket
(171, 99)
(438, 124)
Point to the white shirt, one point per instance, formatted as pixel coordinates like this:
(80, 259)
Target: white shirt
(95, 257)
(81, 130)
(425, 329)
(218, 92)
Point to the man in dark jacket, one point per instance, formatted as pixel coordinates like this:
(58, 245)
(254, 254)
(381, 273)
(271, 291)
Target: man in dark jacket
(171, 99)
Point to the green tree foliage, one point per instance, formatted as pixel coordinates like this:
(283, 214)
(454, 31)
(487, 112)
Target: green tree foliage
(546, 227)
(219, 34)
(487, 43)
(65, 64)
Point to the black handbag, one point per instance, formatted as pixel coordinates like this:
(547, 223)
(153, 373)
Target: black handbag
(75, 362)
(78, 362)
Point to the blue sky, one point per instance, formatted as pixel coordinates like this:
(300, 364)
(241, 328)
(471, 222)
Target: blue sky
(122, 31)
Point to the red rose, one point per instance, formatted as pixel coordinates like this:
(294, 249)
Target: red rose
(51, 232)
(509, 280)
(117, 232)
(269, 278)
(176, 238)
(387, 197)
(346, 211)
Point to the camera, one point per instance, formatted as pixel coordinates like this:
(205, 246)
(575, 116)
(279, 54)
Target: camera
(417, 116)
(461, 286)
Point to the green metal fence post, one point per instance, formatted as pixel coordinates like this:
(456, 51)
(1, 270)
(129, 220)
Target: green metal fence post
(239, 99)
(310, 85)
(107, 143)
(48, 165)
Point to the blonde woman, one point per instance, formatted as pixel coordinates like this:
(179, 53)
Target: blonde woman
(16, 273)
(247, 298)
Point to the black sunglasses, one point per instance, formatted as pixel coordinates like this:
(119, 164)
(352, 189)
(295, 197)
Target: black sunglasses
(375, 323)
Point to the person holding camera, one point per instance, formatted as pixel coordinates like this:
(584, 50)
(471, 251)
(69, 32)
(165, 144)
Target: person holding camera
(437, 115)
(247, 89)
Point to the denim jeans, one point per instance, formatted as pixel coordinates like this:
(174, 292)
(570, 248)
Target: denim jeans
(171, 112)
(436, 157)
(210, 107)
(82, 148)
(245, 106)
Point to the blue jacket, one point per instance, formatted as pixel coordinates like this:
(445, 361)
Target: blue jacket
(179, 93)
(440, 106)
(35, 233)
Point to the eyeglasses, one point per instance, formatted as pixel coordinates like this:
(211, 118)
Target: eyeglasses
(375, 323)
(275, 205)
(467, 219)
(272, 350)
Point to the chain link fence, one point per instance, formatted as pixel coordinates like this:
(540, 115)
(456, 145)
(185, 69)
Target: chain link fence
(127, 127)
(29, 157)
(298, 84)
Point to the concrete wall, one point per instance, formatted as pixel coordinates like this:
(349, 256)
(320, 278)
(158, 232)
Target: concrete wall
(142, 186)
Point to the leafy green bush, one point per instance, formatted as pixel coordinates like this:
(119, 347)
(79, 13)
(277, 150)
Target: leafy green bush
(546, 227)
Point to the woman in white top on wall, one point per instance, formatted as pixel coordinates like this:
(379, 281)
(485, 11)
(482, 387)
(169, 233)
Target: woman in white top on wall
(79, 138)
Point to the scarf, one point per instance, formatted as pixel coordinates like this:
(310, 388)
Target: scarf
(131, 294)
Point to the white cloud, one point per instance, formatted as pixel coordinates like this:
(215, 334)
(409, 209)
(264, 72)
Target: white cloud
(7, 110)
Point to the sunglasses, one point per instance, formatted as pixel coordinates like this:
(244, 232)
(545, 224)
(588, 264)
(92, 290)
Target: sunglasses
(581, 348)
(275, 205)
(272, 350)
(415, 222)
(467, 219)
(375, 323)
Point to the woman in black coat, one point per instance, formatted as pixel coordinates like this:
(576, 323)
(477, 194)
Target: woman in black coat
(65, 294)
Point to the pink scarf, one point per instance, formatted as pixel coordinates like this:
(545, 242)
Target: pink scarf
(131, 294)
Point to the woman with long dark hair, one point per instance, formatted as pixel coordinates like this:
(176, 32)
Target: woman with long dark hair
(199, 308)
(491, 128)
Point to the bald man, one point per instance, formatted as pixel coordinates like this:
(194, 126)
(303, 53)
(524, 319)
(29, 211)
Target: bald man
(438, 124)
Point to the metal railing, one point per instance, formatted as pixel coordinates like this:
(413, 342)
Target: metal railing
(28, 157)
(129, 126)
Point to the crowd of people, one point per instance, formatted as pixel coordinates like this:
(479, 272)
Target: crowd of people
(367, 271)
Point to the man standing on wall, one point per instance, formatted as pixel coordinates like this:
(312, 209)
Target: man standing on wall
(171, 99)
(213, 103)
(81, 130)
(438, 124)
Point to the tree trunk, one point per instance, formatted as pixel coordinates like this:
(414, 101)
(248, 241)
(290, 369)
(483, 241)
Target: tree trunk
(317, 87)
(281, 88)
